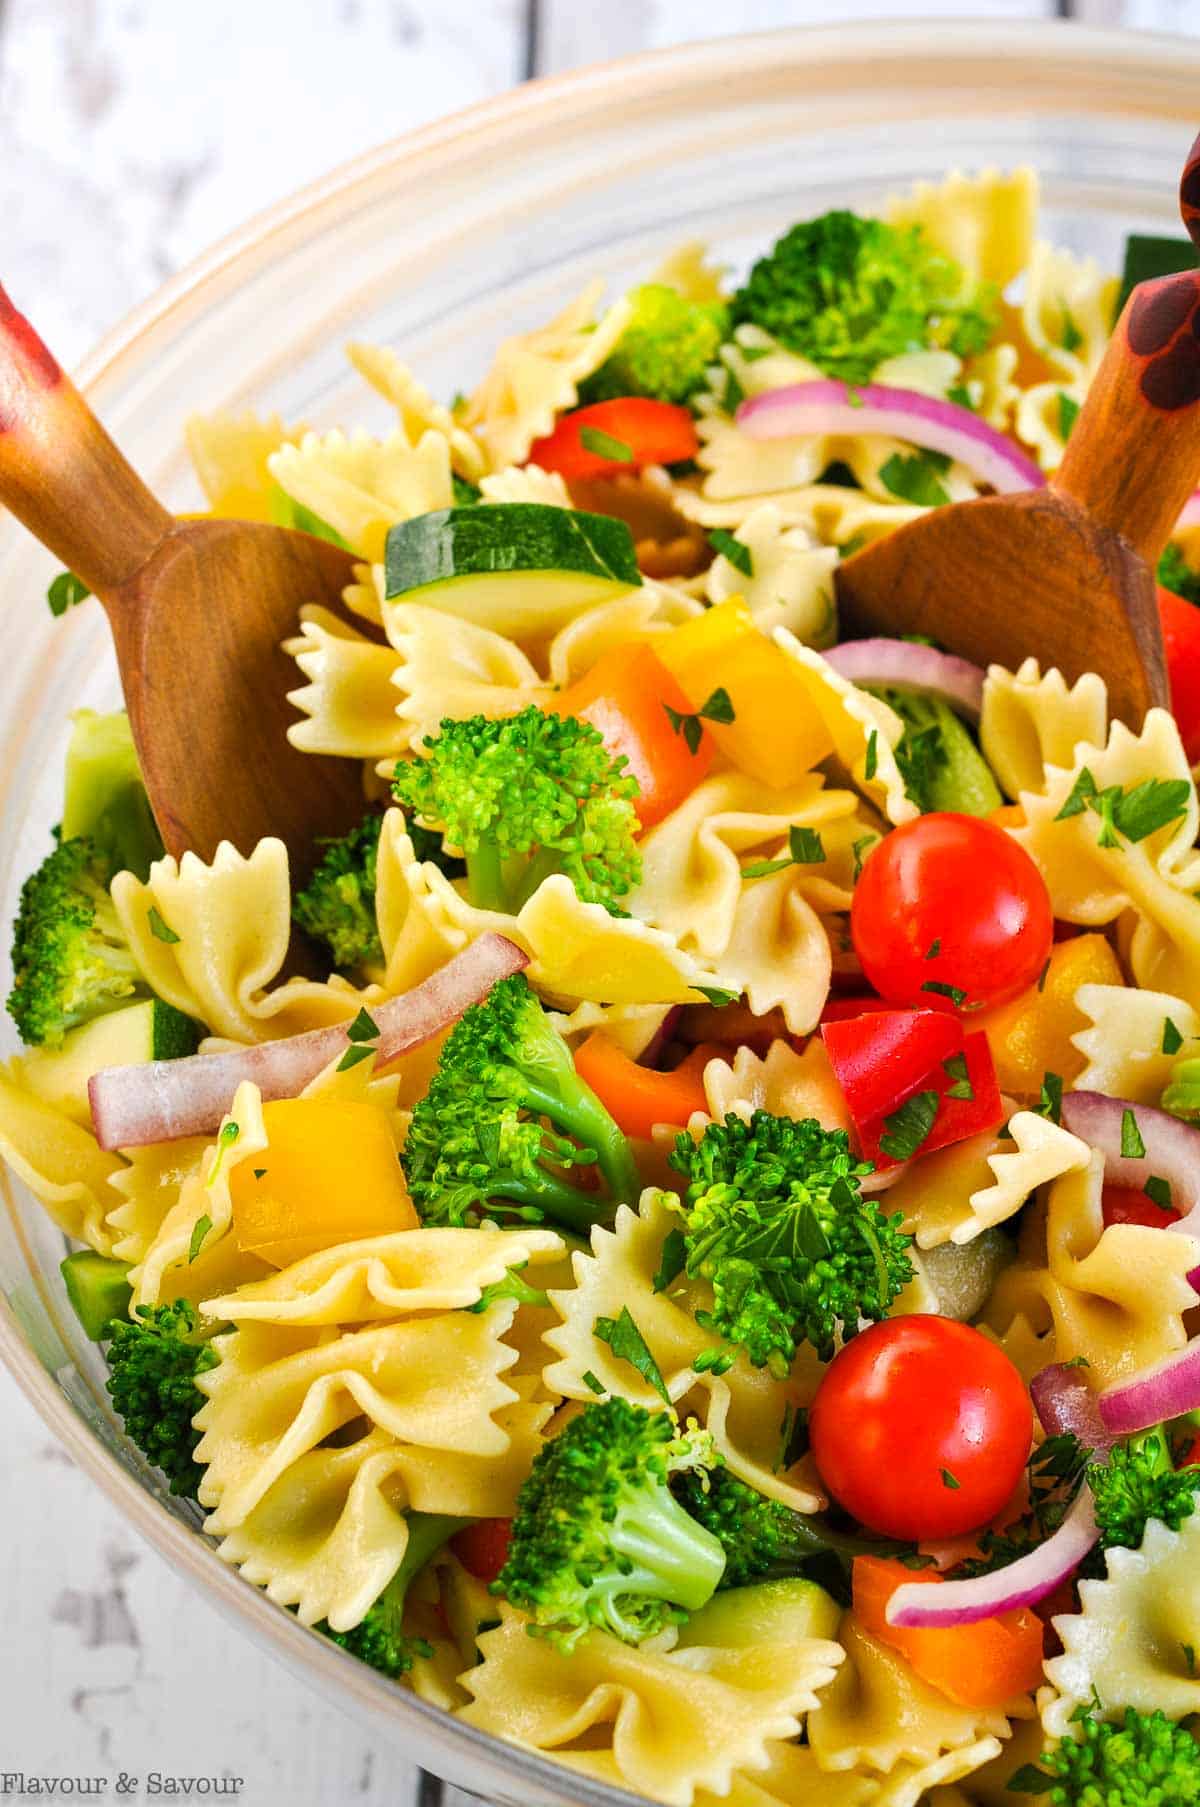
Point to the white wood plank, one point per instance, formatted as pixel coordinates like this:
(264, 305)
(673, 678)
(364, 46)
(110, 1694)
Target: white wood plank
(1142, 15)
(572, 34)
(133, 134)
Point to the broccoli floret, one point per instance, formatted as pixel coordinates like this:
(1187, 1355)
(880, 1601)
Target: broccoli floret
(762, 1538)
(154, 1361)
(1138, 1482)
(1140, 1761)
(1174, 573)
(599, 1539)
(337, 906)
(525, 797)
(70, 959)
(379, 1639)
(776, 1224)
(847, 292)
(665, 350)
(505, 1113)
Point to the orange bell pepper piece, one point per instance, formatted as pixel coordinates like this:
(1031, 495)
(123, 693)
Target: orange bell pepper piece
(639, 1097)
(1031, 1036)
(625, 697)
(328, 1174)
(982, 1665)
(777, 733)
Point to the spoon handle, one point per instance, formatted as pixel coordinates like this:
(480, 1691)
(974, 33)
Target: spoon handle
(1133, 457)
(61, 474)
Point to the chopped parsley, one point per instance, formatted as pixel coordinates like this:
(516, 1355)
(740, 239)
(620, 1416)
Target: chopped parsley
(603, 445)
(1172, 1040)
(718, 708)
(908, 1127)
(730, 547)
(955, 993)
(161, 930)
(955, 1068)
(1132, 1146)
(916, 479)
(629, 1345)
(805, 848)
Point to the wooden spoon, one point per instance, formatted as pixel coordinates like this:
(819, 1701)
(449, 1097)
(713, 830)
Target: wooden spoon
(197, 610)
(1067, 573)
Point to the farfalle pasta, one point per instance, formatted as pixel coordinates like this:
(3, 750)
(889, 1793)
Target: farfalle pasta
(664, 1238)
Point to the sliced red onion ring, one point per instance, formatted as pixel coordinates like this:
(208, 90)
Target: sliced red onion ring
(912, 667)
(1172, 1149)
(1066, 1405)
(923, 420)
(1167, 1390)
(1021, 1583)
(162, 1100)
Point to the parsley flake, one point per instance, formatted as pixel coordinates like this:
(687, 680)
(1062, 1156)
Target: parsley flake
(1050, 1103)
(805, 848)
(200, 1230)
(605, 446)
(1068, 413)
(872, 763)
(162, 931)
(909, 1127)
(353, 1055)
(629, 1345)
(671, 1260)
(950, 1480)
(916, 479)
(592, 1382)
(718, 708)
(955, 993)
(934, 949)
(1172, 1040)
(733, 549)
(1132, 1146)
(364, 1028)
(955, 1068)
(1159, 1191)
(65, 592)
(716, 997)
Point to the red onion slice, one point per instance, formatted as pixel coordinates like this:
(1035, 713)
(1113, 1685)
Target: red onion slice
(162, 1100)
(1021, 1583)
(923, 420)
(1067, 1406)
(1167, 1390)
(911, 667)
(1172, 1149)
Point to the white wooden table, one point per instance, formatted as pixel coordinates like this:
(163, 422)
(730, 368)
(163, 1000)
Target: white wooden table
(133, 132)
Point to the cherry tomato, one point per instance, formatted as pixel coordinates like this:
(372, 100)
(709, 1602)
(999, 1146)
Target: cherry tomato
(482, 1548)
(1181, 643)
(951, 913)
(1129, 1204)
(921, 1428)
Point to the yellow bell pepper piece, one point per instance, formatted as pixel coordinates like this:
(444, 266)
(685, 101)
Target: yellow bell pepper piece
(777, 734)
(1032, 1036)
(328, 1174)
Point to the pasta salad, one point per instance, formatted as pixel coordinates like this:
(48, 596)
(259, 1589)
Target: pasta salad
(706, 1284)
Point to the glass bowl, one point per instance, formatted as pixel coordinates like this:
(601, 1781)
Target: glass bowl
(440, 243)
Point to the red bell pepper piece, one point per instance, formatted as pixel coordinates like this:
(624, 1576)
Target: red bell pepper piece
(620, 435)
(625, 696)
(1181, 642)
(1129, 1204)
(883, 1057)
(881, 1061)
(482, 1548)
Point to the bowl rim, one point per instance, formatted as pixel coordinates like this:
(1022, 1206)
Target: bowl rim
(1122, 58)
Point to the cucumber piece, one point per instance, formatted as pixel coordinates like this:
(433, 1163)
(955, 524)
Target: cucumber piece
(769, 1612)
(104, 797)
(98, 1289)
(150, 1030)
(1147, 257)
(941, 765)
(519, 568)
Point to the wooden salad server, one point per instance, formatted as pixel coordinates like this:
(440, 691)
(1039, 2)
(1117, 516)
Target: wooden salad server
(198, 609)
(1067, 573)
